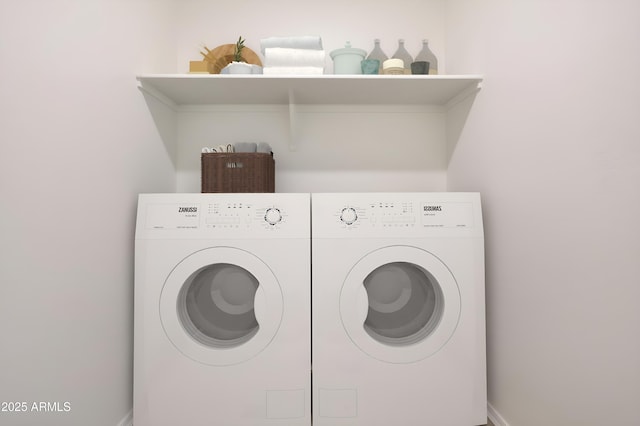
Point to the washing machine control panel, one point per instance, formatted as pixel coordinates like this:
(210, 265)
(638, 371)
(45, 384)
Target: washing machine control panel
(396, 215)
(245, 216)
(227, 216)
(378, 214)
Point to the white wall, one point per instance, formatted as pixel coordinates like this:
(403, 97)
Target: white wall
(552, 143)
(77, 145)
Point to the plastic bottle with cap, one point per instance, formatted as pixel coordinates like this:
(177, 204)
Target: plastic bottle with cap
(403, 54)
(427, 55)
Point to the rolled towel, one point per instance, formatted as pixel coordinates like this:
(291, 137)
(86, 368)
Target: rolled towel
(245, 146)
(293, 71)
(264, 147)
(295, 42)
(286, 57)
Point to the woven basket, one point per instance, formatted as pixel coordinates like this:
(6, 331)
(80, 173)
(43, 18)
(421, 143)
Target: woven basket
(238, 172)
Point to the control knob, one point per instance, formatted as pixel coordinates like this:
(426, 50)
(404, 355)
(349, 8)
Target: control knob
(348, 215)
(273, 216)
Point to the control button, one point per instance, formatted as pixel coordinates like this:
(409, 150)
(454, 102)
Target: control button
(273, 216)
(348, 215)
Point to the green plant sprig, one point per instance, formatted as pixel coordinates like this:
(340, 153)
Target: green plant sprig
(237, 55)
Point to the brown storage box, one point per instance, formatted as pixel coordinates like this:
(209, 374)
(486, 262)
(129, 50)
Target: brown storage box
(238, 172)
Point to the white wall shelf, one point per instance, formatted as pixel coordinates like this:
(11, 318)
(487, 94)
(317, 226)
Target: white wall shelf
(365, 109)
(202, 89)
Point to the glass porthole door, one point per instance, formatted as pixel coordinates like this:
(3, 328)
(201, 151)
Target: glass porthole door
(221, 306)
(216, 305)
(400, 304)
(405, 304)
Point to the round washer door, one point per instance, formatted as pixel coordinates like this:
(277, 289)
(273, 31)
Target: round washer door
(221, 306)
(400, 304)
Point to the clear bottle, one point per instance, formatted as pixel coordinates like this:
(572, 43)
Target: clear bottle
(378, 54)
(427, 55)
(402, 53)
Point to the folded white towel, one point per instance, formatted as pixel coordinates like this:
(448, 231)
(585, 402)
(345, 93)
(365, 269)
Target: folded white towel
(295, 42)
(293, 70)
(285, 57)
(263, 147)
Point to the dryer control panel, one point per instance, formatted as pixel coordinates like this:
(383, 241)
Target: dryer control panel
(223, 216)
(390, 214)
(245, 215)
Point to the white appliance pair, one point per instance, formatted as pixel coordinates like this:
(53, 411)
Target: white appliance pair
(236, 295)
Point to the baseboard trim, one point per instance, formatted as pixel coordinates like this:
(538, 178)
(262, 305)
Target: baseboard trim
(492, 413)
(495, 417)
(127, 420)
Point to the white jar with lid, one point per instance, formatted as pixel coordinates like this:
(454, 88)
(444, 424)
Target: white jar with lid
(347, 60)
(393, 66)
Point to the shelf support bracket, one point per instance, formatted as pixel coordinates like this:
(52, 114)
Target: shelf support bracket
(293, 136)
(151, 91)
(471, 90)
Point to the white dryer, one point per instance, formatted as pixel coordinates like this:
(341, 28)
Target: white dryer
(398, 311)
(222, 310)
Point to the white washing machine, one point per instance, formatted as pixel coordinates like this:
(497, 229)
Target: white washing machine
(398, 311)
(222, 310)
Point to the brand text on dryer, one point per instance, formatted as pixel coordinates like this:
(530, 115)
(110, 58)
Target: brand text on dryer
(187, 210)
(432, 208)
